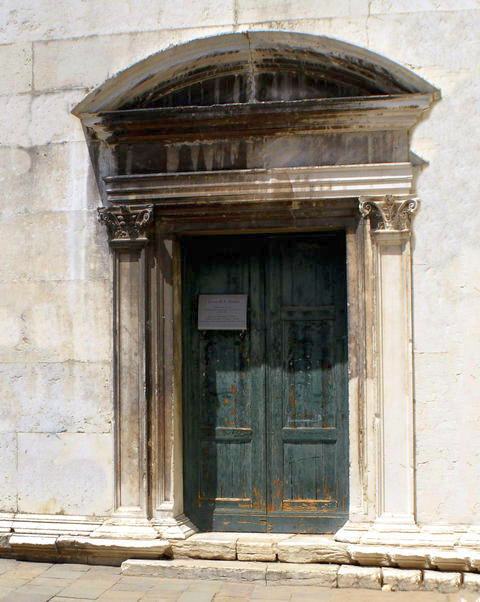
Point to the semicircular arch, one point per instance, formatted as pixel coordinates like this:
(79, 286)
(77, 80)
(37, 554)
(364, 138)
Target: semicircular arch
(252, 67)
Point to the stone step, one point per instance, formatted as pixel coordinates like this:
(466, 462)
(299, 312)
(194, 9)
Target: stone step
(321, 549)
(262, 547)
(230, 570)
(320, 575)
(245, 547)
(67, 548)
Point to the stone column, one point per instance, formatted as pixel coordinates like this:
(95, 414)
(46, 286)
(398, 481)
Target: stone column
(166, 366)
(128, 227)
(395, 495)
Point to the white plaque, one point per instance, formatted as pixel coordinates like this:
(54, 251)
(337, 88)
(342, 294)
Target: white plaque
(222, 312)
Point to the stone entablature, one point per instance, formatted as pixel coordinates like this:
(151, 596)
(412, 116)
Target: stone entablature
(273, 185)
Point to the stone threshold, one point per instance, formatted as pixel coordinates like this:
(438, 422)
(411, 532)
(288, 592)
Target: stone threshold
(320, 575)
(81, 549)
(321, 549)
(242, 547)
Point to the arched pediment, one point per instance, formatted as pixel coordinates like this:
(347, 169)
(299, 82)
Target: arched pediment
(249, 101)
(252, 67)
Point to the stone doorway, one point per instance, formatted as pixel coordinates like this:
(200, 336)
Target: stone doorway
(258, 132)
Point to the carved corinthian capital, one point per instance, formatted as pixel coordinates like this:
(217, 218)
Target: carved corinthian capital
(390, 213)
(127, 223)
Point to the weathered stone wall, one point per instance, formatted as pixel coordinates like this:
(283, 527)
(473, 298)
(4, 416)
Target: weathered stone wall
(56, 447)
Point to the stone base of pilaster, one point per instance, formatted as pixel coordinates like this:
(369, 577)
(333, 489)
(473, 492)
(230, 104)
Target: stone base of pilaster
(406, 533)
(178, 527)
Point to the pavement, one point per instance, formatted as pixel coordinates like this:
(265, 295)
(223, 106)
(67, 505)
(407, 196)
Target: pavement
(39, 582)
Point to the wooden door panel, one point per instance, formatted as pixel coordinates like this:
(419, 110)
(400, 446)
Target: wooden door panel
(224, 389)
(224, 393)
(307, 361)
(225, 472)
(266, 413)
(309, 475)
(307, 401)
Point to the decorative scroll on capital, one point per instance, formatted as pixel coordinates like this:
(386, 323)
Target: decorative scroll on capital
(391, 213)
(127, 224)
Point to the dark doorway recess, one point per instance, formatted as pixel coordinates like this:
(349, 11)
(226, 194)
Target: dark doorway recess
(266, 409)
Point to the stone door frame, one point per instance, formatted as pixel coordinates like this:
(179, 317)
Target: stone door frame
(374, 205)
(367, 192)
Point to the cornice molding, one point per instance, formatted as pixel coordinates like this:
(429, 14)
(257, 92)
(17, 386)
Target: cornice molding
(363, 113)
(260, 186)
(391, 214)
(127, 224)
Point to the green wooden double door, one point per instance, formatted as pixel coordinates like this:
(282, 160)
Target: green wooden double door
(266, 408)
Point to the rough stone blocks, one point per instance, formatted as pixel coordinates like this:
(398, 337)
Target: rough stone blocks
(446, 560)
(259, 546)
(401, 579)
(209, 546)
(409, 558)
(322, 575)
(369, 555)
(312, 548)
(443, 582)
(471, 582)
(359, 577)
(196, 569)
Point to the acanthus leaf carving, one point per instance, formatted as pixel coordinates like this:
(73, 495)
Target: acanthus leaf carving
(391, 213)
(127, 223)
